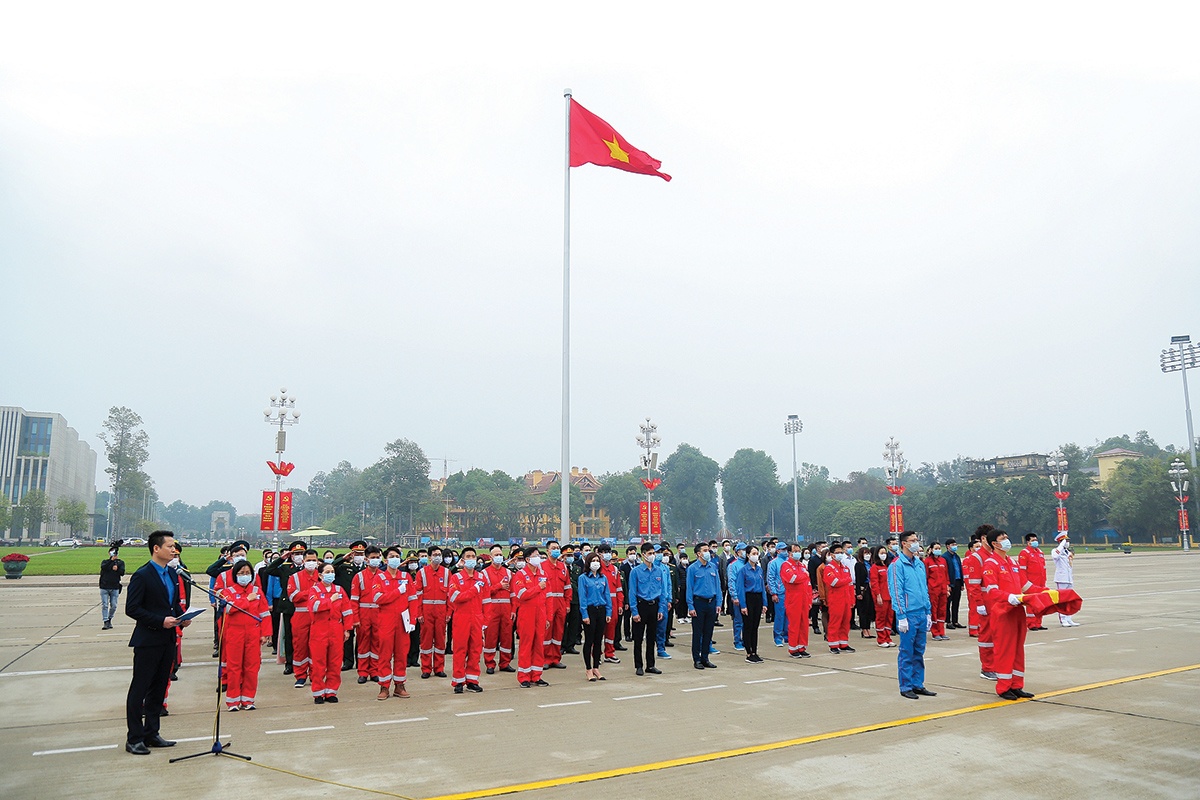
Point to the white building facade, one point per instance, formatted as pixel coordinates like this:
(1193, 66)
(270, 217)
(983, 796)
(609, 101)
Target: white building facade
(41, 451)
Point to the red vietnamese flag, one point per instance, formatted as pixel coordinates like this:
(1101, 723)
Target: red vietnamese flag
(593, 141)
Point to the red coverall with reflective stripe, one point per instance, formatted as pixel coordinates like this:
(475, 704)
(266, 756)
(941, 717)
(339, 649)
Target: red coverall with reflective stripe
(397, 593)
(243, 641)
(938, 581)
(558, 603)
(1000, 579)
(330, 615)
(973, 570)
(529, 594)
(497, 617)
(299, 586)
(362, 587)
(468, 588)
(616, 591)
(882, 596)
(432, 579)
(797, 599)
(839, 593)
(1032, 563)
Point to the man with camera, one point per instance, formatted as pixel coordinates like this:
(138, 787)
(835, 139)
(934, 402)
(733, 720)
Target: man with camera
(112, 569)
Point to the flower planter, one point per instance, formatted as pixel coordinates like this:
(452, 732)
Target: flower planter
(13, 569)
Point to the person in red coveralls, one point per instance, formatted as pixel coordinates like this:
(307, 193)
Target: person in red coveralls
(362, 586)
(1032, 564)
(1001, 595)
(398, 597)
(244, 634)
(331, 618)
(299, 586)
(980, 624)
(468, 587)
(884, 615)
(839, 592)
(558, 604)
(938, 581)
(529, 592)
(432, 580)
(497, 614)
(797, 599)
(616, 591)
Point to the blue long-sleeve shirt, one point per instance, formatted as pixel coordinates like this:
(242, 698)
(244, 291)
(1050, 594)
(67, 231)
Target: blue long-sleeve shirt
(774, 583)
(909, 587)
(731, 576)
(703, 580)
(593, 591)
(749, 581)
(646, 583)
(954, 570)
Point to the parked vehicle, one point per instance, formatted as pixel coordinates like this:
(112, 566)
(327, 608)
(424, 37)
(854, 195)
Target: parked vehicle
(67, 543)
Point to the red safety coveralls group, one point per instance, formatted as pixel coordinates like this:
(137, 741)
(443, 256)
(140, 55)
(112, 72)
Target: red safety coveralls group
(1032, 563)
(330, 616)
(468, 588)
(939, 593)
(979, 622)
(1001, 579)
(529, 592)
(558, 603)
(882, 596)
(797, 598)
(432, 583)
(839, 594)
(299, 587)
(362, 587)
(616, 591)
(242, 636)
(497, 619)
(395, 590)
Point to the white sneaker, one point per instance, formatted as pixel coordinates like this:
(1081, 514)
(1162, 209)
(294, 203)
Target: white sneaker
(1073, 623)
(884, 644)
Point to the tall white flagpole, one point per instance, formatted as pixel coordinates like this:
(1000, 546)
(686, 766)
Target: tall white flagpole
(565, 476)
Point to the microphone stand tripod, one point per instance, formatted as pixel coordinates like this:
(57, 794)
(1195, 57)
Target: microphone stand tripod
(218, 749)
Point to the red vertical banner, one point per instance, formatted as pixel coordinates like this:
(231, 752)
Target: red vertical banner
(1062, 520)
(1183, 519)
(268, 512)
(896, 519)
(285, 511)
(643, 518)
(656, 519)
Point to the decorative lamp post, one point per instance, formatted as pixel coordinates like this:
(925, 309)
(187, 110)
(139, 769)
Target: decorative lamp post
(791, 428)
(277, 504)
(1057, 466)
(650, 523)
(1179, 485)
(1185, 356)
(894, 467)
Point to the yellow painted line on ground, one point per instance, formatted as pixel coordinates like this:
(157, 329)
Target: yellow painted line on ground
(655, 766)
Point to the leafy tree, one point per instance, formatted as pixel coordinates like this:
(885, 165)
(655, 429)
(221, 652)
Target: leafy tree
(401, 477)
(127, 448)
(6, 516)
(619, 497)
(1142, 503)
(35, 510)
(861, 518)
(689, 489)
(751, 488)
(858, 486)
(73, 514)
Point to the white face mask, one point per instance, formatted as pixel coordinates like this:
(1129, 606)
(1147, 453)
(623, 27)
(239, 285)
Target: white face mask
(1004, 544)
(298, 559)
(244, 580)
(173, 563)
(914, 548)
(535, 561)
(497, 560)
(728, 548)
(358, 560)
(412, 567)
(754, 558)
(310, 566)
(632, 558)
(520, 565)
(594, 566)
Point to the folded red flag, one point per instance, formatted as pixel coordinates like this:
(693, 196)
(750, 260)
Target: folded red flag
(1050, 601)
(593, 141)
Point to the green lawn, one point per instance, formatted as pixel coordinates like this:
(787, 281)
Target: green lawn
(86, 560)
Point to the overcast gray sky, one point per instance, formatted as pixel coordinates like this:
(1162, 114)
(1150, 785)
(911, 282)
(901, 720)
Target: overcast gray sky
(970, 227)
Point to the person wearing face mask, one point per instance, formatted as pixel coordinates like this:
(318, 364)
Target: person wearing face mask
(1064, 572)
(939, 592)
(893, 546)
(703, 594)
(750, 596)
(596, 607)
(909, 589)
(776, 589)
(797, 599)
(616, 592)
(530, 613)
(573, 629)
(1001, 595)
(626, 566)
(399, 600)
(662, 631)
(648, 600)
(112, 569)
(839, 596)
(412, 565)
(882, 596)
(1032, 565)
(954, 572)
(558, 602)
(244, 635)
(331, 618)
(362, 591)
(818, 615)
(299, 590)
(468, 588)
(283, 568)
(735, 607)
(980, 625)
(725, 556)
(864, 603)
(497, 613)
(345, 568)
(433, 579)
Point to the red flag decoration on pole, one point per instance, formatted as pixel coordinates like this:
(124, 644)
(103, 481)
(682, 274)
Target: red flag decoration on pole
(268, 512)
(644, 518)
(285, 511)
(656, 519)
(1183, 519)
(1062, 520)
(593, 141)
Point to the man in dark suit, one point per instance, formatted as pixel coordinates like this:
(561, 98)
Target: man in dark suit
(152, 602)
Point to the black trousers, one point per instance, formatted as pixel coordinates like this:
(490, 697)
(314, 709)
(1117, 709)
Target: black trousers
(414, 646)
(702, 627)
(349, 655)
(593, 636)
(956, 588)
(573, 629)
(627, 621)
(287, 642)
(148, 687)
(754, 607)
(275, 615)
(645, 627)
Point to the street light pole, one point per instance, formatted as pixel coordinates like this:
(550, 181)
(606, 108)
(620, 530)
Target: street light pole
(1186, 356)
(893, 468)
(1179, 485)
(648, 440)
(281, 411)
(791, 428)
(1057, 465)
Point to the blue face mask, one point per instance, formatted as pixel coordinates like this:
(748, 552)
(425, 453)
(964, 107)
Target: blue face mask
(953, 548)
(394, 562)
(469, 563)
(327, 577)
(658, 558)
(374, 562)
(704, 556)
(555, 553)
(424, 560)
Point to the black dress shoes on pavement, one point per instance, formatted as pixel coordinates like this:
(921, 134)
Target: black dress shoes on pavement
(698, 665)
(137, 748)
(1009, 695)
(362, 679)
(708, 665)
(1021, 693)
(640, 671)
(654, 670)
(158, 741)
(911, 695)
(924, 692)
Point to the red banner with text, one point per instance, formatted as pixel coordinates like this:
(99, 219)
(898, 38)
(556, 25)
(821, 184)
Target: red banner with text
(656, 519)
(268, 512)
(643, 518)
(285, 511)
(1183, 519)
(896, 519)
(1062, 520)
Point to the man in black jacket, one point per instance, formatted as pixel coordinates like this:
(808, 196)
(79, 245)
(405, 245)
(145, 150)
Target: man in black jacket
(818, 612)
(153, 603)
(112, 569)
(283, 568)
(345, 567)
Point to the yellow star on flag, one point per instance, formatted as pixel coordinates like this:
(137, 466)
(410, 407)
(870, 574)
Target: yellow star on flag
(615, 150)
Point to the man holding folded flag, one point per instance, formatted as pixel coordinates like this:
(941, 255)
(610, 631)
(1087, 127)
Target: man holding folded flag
(1001, 596)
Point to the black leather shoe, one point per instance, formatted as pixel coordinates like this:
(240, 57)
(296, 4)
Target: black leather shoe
(708, 665)
(287, 670)
(440, 674)
(525, 684)
(425, 675)
(640, 671)
(924, 692)
(137, 748)
(910, 695)
(320, 701)
(1009, 695)
(1022, 693)
(719, 624)
(540, 682)
(157, 741)
(558, 665)
(362, 679)
(458, 689)
(571, 651)
(698, 665)
(474, 687)
(654, 670)
(848, 649)
(507, 669)
(491, 670)
(619, 646)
